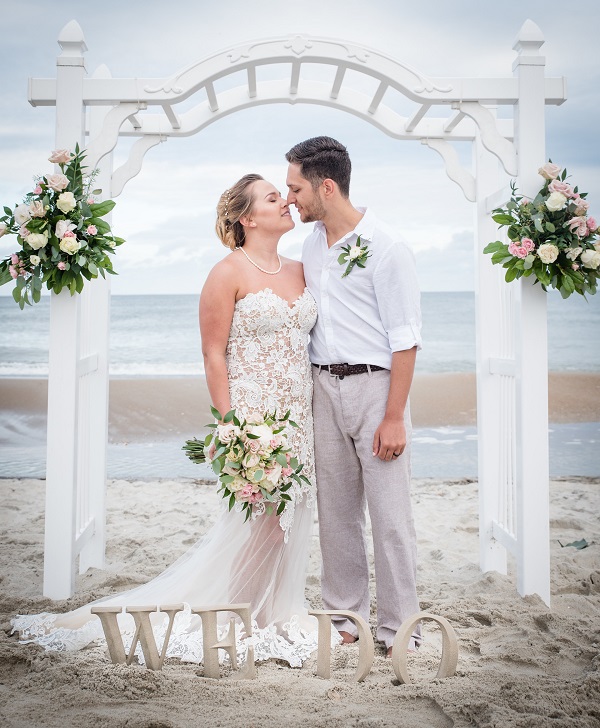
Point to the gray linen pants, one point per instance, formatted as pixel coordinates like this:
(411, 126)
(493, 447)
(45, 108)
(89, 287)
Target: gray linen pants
(346, 413)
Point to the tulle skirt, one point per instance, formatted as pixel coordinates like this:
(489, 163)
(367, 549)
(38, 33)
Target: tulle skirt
(235, 562)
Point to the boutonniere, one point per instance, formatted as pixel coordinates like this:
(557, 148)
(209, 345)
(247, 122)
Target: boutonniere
(354, 255)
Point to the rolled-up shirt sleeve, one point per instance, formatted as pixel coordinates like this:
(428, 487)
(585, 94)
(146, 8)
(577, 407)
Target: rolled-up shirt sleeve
(398, 297)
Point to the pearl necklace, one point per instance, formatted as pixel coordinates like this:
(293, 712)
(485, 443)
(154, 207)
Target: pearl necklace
(268, 272)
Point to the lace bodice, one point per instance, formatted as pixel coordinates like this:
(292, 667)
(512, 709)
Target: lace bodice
(269, 370)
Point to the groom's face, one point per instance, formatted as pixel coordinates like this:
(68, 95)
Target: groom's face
(301, 194)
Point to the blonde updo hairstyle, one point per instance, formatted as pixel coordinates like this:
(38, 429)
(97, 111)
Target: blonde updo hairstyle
(233, 205)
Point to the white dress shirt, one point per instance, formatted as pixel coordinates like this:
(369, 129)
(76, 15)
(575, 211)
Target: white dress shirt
(373, 311)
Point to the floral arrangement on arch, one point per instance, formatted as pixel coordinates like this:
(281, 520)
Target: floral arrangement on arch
(59, 229)
(251, 458)
(552, 237)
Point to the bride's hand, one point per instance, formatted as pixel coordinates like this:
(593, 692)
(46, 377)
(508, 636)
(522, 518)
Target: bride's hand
(389, 440)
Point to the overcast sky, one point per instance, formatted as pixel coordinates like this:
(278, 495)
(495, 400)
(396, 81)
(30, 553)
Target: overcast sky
(167, 212)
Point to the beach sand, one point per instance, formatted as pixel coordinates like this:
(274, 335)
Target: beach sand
(169, 407)
(521, 663)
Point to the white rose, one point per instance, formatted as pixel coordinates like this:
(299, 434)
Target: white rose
(274, 474)
(590, 258)
(547, 253)
(573, 253)
(21, 214)
(69, 245)
(34, 259)
(3, 228)
(63, 226)
(66, 202)
(251, 460)
(227, 432)
(37, 240)
(264, 432)
(556, 201)
(237, 484)
(355, 252)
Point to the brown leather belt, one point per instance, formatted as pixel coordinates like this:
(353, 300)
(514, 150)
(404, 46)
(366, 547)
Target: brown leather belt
(345, 370)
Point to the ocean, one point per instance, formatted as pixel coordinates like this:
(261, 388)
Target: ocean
(159, 336)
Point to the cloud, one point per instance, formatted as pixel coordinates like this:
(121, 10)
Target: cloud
(167, 212)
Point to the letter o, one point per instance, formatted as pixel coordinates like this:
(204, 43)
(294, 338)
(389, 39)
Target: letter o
(449, 658)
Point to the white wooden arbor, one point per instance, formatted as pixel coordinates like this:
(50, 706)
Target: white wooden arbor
(512, 397)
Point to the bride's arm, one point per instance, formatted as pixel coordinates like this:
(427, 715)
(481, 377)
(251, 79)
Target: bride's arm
(217, 303)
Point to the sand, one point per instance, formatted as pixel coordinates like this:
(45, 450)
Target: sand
(521, 663)
(142, 409)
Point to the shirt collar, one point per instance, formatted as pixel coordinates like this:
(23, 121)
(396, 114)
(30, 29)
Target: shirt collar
(364, 228)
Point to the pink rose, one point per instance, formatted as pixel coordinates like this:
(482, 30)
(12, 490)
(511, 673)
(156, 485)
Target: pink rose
(57, 182)
(13, 271)
(92, 230)
(211, 451)
(36, 209)
(578, 225)
(90, 200)
(592, 224)
(254, 445)
(60, 156)
(528, 244)
(581, 206)
(255, 497)
(14, 259)
(549, 170)
(62, 226)
(516, 250)
(286, 472)
(62, 266)
(37, 190)
(563, 187)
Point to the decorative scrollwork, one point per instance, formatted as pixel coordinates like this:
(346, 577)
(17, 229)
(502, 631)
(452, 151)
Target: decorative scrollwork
(298, 44)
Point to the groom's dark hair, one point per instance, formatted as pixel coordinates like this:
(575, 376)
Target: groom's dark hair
(323, 158)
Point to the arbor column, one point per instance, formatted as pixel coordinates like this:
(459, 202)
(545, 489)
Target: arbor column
(533, 530)
(64, 353)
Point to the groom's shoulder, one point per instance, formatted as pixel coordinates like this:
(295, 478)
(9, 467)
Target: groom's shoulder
(386, 235)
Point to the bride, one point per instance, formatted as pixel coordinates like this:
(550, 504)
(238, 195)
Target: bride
(255, 318)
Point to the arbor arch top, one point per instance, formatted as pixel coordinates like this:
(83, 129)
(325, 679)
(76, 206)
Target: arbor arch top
(135, 100)
(511, 363)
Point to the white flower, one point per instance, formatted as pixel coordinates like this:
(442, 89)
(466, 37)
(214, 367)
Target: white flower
(66, 202)
(227, 432)
(34, 259)
(22, 214)
(590, 258)
(251, 460)
(37, 240)
(355, 252)
(556, 201)
(547, 253)
(573, 253)
(69, 245)
(264, 432)
(3, 228)
(62, 226)
(274, 473)
(236, 484)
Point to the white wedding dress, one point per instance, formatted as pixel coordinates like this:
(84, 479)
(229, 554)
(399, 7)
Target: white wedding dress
(263, 562)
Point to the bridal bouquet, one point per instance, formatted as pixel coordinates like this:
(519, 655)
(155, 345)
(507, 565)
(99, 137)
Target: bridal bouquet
(255, 467)
(551, 237)
(60, 231)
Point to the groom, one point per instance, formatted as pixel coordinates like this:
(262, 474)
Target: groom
(363, 351)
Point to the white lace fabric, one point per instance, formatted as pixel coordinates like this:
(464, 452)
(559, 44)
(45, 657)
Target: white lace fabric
(263, 562)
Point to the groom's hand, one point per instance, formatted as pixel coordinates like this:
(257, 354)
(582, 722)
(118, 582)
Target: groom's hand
(389, 440)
